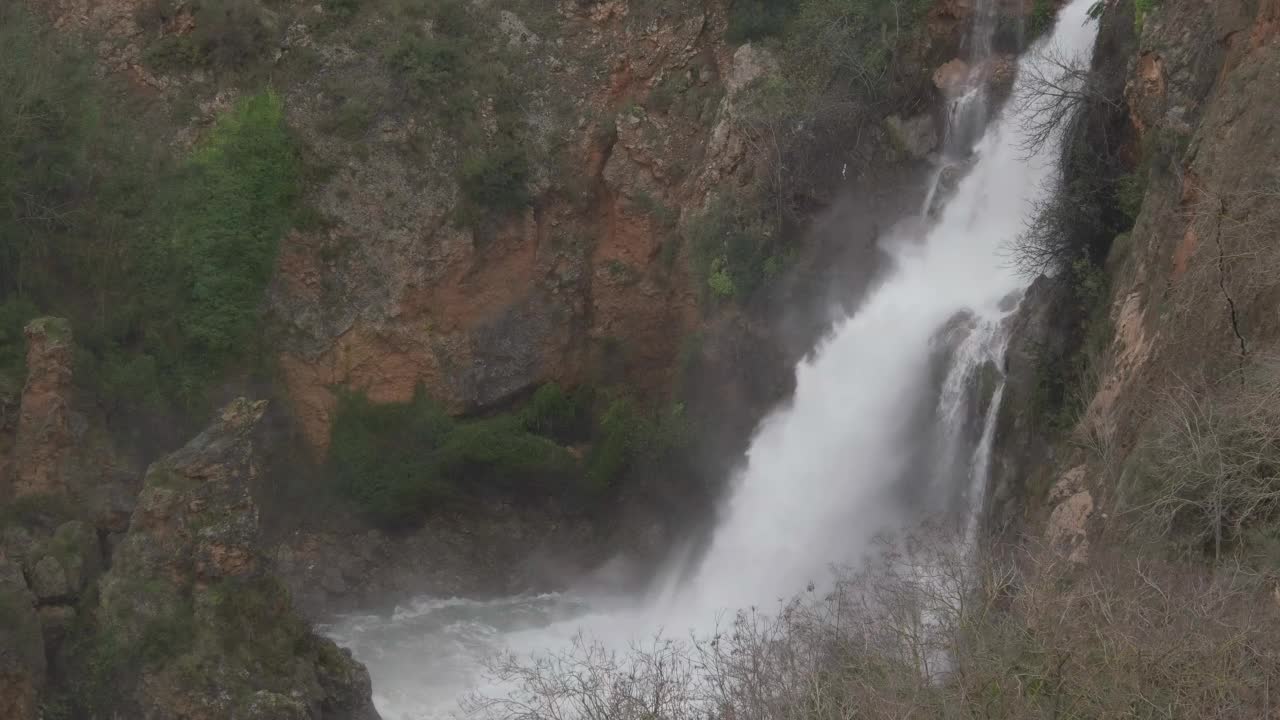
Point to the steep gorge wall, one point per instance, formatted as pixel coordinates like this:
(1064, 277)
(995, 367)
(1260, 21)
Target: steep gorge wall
(1188, 310)
(635, 117)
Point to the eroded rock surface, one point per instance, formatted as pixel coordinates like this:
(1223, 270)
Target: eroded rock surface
(39, 461)
(189, 599)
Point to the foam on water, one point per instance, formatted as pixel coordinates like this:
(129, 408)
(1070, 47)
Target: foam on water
(823, 475)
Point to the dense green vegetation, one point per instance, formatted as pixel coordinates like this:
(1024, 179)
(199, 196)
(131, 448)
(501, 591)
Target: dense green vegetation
(235, 209)
(401, 461)
(1042, 15)
(159, 261)
(225, 36)
(751, 20)
(446, 60)
(735, 247)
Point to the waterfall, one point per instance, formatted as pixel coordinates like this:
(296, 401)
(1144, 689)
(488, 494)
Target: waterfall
(891, 418)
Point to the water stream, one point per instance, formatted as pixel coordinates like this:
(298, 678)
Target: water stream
(893, 416)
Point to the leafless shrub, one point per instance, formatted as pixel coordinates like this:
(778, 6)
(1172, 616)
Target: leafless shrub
(1059, 100)
(1045, 246)
(1215, 461)
(930, 629)
(1050, 95)
(590, 682)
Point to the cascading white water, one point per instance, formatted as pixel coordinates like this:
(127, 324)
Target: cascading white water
(824, 474)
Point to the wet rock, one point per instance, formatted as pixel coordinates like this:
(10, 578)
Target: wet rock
(1021, 453)
(948, 180)
(951, 77)
(985, 381)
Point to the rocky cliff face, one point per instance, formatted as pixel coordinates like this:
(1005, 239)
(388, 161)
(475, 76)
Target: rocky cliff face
(194, 624)
(636, 117)
(1183, 97)
(187, 621)
(395, 293)
(44, 423)
(635, 120)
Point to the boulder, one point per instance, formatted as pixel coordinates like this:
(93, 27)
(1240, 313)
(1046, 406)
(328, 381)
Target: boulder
(200, 629)
(951, 77)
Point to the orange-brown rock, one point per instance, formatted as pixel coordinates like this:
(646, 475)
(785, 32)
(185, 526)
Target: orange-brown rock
(583, 286)
(40, 453)
(951, 77)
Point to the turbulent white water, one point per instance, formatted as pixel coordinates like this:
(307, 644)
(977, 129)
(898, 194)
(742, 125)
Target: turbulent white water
(825, 474)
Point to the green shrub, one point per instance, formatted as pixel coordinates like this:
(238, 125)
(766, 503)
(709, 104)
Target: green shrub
(46, 137)
(341, 8)
(432, 69)
(553, 413)
(129, 381)
(734, 248)
(400, 461)
(1130, 193)
(244, 184)
(456, 65)
(617, 443)
(625, 436)
(497, 178)
(354, 107)
(383, 456)
(159, 264)
(252, 616)
(499, 453)
(42, 510)
(751, 20)
(1042, 15)
(449, 58)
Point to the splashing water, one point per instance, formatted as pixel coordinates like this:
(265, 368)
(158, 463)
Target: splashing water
(824, 475)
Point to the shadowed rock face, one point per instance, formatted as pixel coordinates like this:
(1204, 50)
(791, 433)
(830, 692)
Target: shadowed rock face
(188, 598)
(22, 663)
